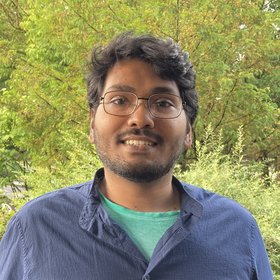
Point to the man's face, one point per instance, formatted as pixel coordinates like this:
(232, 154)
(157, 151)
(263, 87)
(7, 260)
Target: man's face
(138, 147)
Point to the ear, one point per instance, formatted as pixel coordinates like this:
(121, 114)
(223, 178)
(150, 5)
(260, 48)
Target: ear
(91, 126)
(188, 137)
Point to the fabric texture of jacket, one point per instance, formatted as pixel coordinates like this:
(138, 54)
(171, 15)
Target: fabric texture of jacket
(67, 234)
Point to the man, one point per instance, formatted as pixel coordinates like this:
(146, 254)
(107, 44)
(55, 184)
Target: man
(135, 220)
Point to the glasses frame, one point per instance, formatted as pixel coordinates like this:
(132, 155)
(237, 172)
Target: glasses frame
(101, 101)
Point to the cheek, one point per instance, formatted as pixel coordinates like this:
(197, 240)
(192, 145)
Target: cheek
(178, 133)
(176, 127)
(106, 125)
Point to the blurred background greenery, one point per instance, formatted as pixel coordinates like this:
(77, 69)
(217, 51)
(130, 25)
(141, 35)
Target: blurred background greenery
(234, 46)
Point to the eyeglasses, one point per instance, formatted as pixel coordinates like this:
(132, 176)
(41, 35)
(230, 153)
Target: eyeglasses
(160, 105)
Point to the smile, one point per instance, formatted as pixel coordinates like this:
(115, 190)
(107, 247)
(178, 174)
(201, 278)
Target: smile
(138, 143)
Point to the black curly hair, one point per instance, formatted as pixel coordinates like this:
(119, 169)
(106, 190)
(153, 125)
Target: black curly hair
(166, 57)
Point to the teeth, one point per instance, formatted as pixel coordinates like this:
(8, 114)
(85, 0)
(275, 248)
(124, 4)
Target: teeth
(138, 143)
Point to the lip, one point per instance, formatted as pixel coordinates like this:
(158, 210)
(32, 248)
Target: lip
(139, 141)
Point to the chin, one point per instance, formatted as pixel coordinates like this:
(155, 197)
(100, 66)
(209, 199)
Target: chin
(141, 174)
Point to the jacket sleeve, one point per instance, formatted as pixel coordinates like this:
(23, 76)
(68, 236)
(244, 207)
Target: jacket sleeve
(261, 266)
(12, 252)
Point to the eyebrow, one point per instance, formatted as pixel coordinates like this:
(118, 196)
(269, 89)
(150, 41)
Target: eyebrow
(121, 87)
(162, 89)
(127, 88)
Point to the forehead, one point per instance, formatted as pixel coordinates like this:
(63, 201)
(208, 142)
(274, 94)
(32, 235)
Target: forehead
(138, 75)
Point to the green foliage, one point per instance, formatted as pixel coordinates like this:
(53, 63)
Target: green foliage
(233, 46)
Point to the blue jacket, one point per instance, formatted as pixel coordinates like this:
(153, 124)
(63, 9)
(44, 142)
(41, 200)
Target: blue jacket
(68, 235)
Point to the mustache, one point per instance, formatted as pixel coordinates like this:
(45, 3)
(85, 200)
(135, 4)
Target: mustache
(140, 132)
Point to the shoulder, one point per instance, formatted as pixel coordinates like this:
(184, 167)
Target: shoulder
(223, 216)
(61, 201)
(75, 192)
(227, 226)
(214, 204)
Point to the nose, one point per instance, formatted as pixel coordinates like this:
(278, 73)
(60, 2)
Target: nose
(141, 117)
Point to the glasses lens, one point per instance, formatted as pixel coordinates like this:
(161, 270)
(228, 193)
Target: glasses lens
(165, 106)
(162, 106)
(119, 103)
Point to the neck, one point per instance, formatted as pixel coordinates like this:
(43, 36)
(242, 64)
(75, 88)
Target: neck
(155, 196)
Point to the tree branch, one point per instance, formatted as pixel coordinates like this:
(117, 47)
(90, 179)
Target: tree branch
(55, 78)
(177, 20)
(116, 16)
(10, 15)
(226, 105)
(81, 17)
(239, 118)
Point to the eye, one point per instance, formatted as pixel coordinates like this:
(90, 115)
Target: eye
(118, 100)
(164, 103)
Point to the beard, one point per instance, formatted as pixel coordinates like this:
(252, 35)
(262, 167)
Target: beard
(138, 172)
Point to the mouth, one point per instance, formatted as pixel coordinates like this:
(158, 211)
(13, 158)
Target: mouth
(139, 143)
(139, 139)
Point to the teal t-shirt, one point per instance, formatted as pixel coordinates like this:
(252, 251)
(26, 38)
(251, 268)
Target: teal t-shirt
(144, 228)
